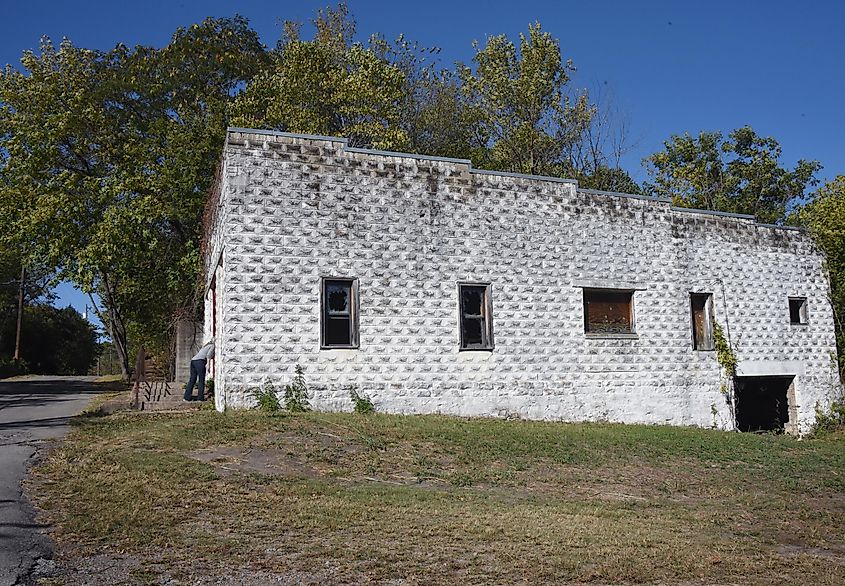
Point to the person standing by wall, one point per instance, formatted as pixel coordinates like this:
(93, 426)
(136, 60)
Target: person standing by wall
(198, 364)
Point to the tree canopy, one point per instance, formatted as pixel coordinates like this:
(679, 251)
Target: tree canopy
(824, 217)
(329, 85)
(107, 157)
(54, 341)
(741, 173)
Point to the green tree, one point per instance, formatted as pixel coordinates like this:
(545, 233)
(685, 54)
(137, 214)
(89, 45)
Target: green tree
(740, 174)
(107, 158)
(824, 217)
(526, 119)
(54, 341)
(329, 85)
(607, 179)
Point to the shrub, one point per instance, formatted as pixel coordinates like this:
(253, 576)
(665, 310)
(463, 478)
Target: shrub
(361, 403)
(831, 420)
(268, 400)
(9, 367)
(296, 393)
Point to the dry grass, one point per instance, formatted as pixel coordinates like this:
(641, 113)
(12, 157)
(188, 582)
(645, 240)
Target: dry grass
(340, 498)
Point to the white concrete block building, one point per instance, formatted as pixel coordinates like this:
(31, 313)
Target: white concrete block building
(434, 287)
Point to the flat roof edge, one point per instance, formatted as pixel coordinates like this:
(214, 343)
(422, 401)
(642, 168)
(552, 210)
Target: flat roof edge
(622, 194)
(286, 134)
(713, 213)
(366, 151)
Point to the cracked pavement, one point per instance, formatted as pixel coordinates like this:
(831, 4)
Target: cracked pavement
(33, 410)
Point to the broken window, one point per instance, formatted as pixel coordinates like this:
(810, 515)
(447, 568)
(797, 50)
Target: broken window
(476, 317)
(798, 310)
(340, 313)
(608, 311)
(701, 305)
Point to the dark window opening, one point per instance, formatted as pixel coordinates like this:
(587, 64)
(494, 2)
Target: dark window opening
(476, 317)
(701, 305)
(798, 310)
(762, 402)
(339, 313)
(608, 311)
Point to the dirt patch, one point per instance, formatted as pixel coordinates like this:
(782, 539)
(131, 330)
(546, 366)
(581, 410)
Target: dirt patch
(266, 461)
(835, 554)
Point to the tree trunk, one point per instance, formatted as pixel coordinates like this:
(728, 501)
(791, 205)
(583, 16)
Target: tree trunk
(115, 325)
(20, 318)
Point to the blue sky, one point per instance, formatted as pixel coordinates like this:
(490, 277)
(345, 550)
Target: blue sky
(672, 67)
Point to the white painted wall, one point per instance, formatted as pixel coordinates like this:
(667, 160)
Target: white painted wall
(409, 228)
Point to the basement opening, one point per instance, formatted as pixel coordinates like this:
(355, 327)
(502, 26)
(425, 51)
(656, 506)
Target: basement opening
(763, 403)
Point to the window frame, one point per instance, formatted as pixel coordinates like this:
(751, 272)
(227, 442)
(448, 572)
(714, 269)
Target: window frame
(488, 341)
(803, 310)
(353, 314)
(631, 333)
(708, 313)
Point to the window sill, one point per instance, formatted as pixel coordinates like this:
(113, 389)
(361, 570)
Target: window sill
(611, 336)
(475, 349)
(339, 347)
(798, 325)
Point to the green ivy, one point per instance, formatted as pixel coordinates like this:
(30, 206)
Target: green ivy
(724, 353)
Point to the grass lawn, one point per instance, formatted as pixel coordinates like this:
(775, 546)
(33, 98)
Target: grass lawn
(345, 498)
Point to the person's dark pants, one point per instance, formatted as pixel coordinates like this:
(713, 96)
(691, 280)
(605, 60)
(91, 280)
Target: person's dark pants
(197, 375)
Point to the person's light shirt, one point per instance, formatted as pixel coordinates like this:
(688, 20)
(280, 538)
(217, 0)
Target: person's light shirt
(205, 352)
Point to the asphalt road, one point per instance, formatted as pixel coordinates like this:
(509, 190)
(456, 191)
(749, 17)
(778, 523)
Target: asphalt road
(32, 411)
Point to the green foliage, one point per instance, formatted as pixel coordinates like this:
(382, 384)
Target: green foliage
(9, 368)
(296, 393)
(829, 421)
(608, 179)
(267, 398)
(328, 85)
(724, 353)
(53, 341)
(519, 102)
(824, 217)
(740, 174)
(361, 403)
(107, 157)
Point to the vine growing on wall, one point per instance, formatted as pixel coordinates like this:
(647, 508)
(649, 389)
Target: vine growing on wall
(726, 357)
(724, 353)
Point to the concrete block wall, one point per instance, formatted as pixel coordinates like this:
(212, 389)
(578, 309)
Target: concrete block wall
(409, 228)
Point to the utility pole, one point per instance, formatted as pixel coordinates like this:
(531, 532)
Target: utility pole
(20, 318)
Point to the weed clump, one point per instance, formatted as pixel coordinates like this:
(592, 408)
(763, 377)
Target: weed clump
(831, 420)
(296, 393)
(267, 398)
(361, 403)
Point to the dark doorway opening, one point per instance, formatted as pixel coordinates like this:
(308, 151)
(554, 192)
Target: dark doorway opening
(762, 402)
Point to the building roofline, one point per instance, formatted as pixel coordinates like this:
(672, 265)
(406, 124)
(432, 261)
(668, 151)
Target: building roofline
(366, 151)
(468, 163)
(713, 213)
(623, 194)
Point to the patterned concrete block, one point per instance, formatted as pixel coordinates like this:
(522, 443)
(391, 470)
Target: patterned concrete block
(409, 228)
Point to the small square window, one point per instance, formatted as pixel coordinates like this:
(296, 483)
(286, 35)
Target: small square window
(476, 316)
(798, 310)
(701, 306)
(339, 313)
(608, 311)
